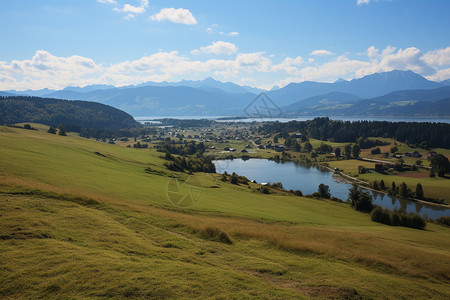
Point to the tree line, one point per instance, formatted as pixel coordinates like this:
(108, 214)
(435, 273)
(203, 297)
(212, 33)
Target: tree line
(423, 134)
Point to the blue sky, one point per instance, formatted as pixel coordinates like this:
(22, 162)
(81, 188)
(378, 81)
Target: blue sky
(56, 43)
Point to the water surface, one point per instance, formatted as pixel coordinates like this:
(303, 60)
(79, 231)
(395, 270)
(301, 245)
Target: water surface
(307, 177)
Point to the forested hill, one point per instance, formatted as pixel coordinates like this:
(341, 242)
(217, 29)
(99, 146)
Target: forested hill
(74, 115)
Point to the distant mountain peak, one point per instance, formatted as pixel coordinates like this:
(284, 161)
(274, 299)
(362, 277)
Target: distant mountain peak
(340, 80)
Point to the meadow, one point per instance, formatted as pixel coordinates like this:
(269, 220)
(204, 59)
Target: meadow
(82, 219)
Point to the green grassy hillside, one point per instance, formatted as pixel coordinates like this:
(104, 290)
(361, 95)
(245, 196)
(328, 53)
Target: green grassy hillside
(82, 219)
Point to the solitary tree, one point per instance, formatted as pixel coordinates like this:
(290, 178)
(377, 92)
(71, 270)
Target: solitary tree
(440, 165)
(394, 149)
(356, 150)
(348, 151)
(419, 191)
(337, 152)
(308, 147)
(324, 191)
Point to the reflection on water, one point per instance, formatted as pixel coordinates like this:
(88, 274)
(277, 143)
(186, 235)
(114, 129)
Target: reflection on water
(307, 177)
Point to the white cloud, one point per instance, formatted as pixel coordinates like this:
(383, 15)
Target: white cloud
(389, 59)
(129, 17)
(254, 61)
(321, 52)
(179, 16)
(361, 2)
(219, 47)
(107, 1)
(289, 65)
(233, 33)
(132, 10)
(46, 70)
(440, 57)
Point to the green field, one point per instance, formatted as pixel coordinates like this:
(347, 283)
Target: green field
(437, 188)
(82, 219)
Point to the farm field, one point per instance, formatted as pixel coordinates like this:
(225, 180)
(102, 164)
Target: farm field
(82, 219)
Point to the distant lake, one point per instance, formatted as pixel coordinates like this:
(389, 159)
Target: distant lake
(304, 118)
(307, 177)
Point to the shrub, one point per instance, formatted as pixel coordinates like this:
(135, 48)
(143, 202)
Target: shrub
(361, 201)
(277, 185)
(443, 220)
(396, 218)
(51, 130)
(264, 190)
(62, 131)
(234, 178)
(298, 193)
(379, 215)
(376, 151)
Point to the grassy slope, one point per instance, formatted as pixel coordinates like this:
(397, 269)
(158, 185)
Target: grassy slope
(133, 242)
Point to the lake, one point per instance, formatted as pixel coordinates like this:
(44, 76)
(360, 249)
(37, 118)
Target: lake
(307, 177)
(303, 118)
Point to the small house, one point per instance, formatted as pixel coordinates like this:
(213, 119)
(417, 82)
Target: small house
(413, 154)
(378, 167)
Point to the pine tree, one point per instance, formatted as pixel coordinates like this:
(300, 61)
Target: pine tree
(403, 192)
(51, 130)
(419, 191)
(62, 131)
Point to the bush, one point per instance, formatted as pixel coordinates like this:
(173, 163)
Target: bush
(376, 151)
(234, 178)
(264, 190)
(443, 221)
(51, 130)
(396, 218)
(298, 193)
(361, 201)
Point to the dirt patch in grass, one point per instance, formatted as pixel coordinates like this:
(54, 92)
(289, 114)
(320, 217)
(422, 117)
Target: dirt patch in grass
(330, 292)
(323, 292)
(414, 174)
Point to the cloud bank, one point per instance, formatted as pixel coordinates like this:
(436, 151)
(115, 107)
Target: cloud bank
(45, 70)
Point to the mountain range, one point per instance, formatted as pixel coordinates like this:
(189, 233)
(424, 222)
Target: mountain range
(388, 93)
